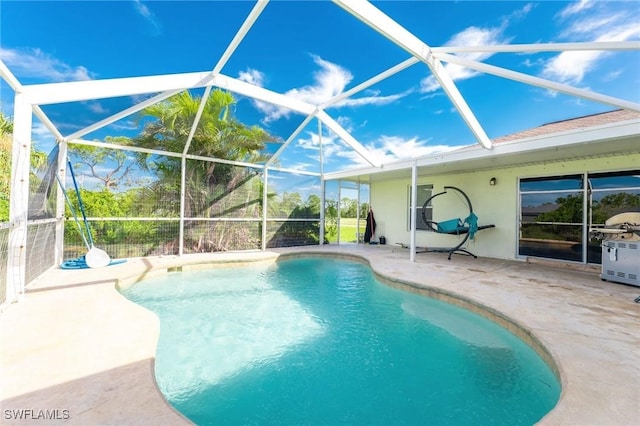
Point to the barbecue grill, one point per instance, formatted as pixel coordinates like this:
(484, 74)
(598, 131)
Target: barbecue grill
(620, 248)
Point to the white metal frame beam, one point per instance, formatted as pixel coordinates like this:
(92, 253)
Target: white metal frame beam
(74, 91)
(13, 82)
(122, 114)
(541, 47)
(244, 29)
(290, 139)
(237, 39)
(347, 138)
(53, 93)
(47, 123)
(390, 29)
(8, 76)
(537, 81)
(256, 92)
(188, 156)
(373, 80)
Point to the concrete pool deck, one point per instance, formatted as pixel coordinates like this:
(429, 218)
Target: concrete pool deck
(77, 351)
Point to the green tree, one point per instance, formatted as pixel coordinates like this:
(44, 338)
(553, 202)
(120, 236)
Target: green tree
(331, 219)
(213, 189)
(613, 204)
(313, 204)
(364, 209)
(6, 131)
(348, 208)
(569, 210)
(6, 125)
(5, 174)
(38, 162)
(90, 162)
(289, 202)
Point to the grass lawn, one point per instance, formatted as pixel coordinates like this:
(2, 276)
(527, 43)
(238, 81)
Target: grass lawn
(348, 230)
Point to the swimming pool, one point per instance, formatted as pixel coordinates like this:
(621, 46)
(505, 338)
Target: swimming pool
(320, 341)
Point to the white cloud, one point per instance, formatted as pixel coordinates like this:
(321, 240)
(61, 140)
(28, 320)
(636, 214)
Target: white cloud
(386, 149)
(34, 63)
(612, 75)
(403, 149)
(580, 21)
(40, 131)
(346, 123)
(254, 77)
(472, 36)
(588, 26)
(329, 81)
(41, 136)
(272, 112)
(124, 125)
(330, 144)
(576, 7)
(155, 28)
(394, 148)
(590, 21)
(97, 108)
(372, 100)
(456, 72)
(570, 67)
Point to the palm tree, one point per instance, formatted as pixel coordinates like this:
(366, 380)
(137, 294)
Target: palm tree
(6, 125)
(38, 162)
(6, 129)
(212, 189)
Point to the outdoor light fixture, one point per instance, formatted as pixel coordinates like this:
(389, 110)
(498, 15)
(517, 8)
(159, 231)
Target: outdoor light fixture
(492, 181)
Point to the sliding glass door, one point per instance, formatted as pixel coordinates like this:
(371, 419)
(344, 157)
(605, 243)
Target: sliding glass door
(556, 213)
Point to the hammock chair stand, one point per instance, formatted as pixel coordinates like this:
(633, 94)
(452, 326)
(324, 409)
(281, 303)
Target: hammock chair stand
(467, 227)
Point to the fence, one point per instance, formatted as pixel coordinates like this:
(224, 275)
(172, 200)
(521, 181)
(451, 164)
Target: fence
(149, 204)
(156, 209)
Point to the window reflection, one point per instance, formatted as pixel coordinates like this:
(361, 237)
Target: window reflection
(553, 218)
(552, 225)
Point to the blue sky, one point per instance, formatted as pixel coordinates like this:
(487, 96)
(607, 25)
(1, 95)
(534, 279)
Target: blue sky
(315, 50)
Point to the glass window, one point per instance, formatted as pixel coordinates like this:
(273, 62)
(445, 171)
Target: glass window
(555, 183)
(629, 179)
(551, 224)
(610, 194)
(613, 193)
(423, 194)
(552, 216)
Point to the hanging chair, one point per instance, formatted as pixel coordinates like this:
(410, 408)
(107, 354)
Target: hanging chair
(467, 227)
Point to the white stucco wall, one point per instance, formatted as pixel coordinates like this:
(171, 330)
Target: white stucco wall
(496, 205)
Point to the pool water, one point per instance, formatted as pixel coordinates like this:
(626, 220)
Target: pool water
(319, 341)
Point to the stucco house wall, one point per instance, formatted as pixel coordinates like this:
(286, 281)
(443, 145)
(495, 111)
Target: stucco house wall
(496, 205)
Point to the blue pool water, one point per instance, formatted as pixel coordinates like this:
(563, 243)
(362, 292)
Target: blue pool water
(321, 342)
